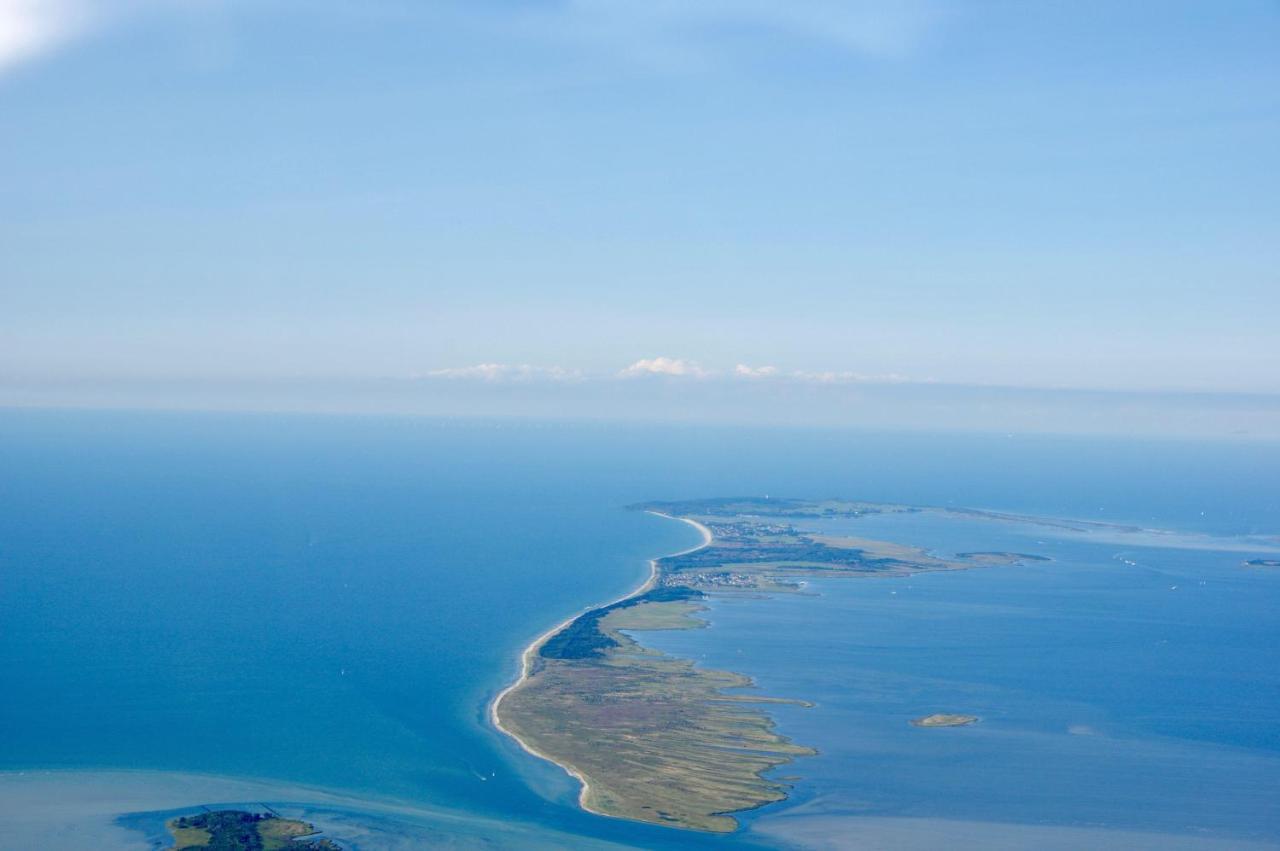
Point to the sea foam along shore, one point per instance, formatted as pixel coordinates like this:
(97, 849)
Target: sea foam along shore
(531, 652)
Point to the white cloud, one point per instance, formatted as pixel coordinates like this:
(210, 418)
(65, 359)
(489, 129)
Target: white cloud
(744, 371)
(506, 372)
(664, 366)
(31, 27)
(659, 366)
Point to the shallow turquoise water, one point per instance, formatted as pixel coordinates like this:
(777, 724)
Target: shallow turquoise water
(332, 602)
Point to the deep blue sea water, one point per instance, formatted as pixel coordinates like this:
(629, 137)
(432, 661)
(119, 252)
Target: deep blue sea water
(331, 602)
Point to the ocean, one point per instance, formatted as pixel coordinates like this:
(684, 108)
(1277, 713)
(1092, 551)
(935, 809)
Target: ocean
(217, 608)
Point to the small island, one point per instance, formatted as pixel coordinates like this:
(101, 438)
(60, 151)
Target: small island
(656, 738)
(1263, 562)
(238, 830)
(942, 719)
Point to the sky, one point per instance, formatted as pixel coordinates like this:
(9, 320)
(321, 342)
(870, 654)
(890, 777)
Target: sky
(558, 203)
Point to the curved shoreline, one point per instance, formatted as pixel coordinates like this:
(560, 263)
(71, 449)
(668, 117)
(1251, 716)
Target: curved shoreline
(527, 657)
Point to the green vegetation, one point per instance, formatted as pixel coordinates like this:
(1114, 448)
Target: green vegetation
(237, 830)
(763, 548)
(656, 739)
(583, 638)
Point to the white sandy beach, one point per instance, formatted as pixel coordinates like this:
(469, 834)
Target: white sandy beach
(530, 652)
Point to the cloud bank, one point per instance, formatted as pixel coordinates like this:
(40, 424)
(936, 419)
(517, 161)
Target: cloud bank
(506, 372)
(663, 367)
(744, 371)
(847, 377)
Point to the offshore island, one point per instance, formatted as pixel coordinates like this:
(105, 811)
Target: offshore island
(238, 830)
(652, 737)
(942, 719)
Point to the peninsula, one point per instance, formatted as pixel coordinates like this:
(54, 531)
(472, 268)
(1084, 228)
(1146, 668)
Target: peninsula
(655, 738)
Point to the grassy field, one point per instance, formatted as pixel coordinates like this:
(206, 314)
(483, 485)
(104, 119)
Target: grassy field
(657, 739)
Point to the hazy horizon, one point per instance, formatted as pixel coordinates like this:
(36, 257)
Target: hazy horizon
(710, 402)
(525, 200)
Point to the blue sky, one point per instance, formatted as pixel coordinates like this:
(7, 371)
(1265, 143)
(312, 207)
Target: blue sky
(1025, 194)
